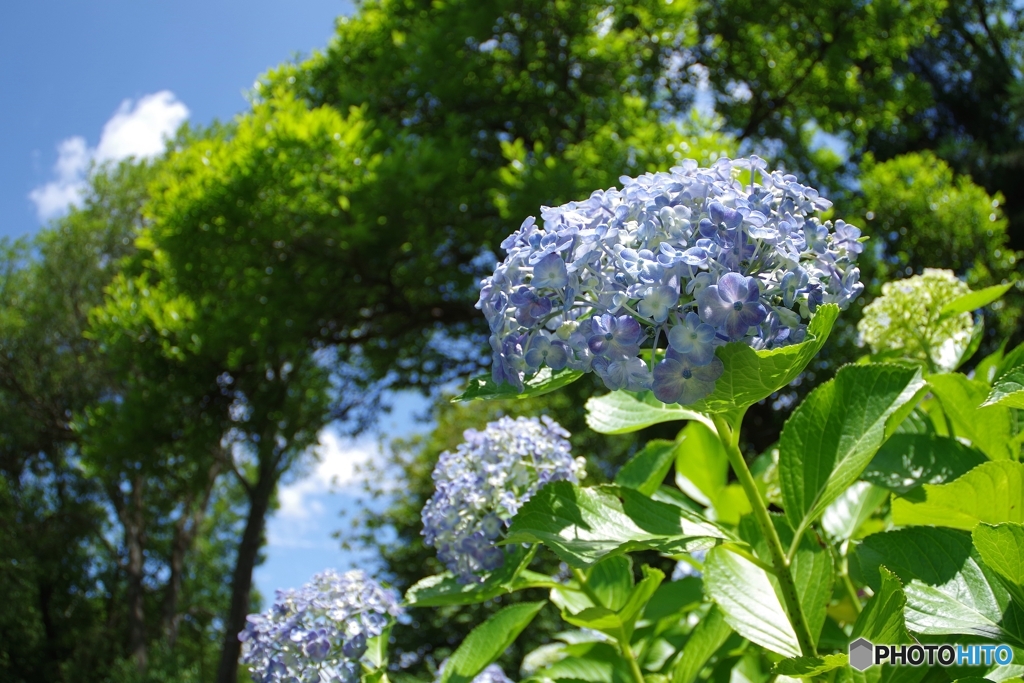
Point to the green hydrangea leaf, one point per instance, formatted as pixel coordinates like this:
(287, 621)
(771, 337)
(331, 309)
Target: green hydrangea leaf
(584, 662)
(445, 589)
(754, 375)
(851, 509)
(745, 594)
(582, 525)
(948, 587)
(976, 299)
(618, 622)
(1008, 390)
(1001, 546)
(543, 382)
(907, 461)
(833, 435)
(809, 667)
(707, 636)
(611, 580)
(702, 468)
(675, 598)
(811, 567)
(622, 412)
(749, 377)
(488, 641)
(989, 428)
(647, 469)
(992, 492)
(882, 619)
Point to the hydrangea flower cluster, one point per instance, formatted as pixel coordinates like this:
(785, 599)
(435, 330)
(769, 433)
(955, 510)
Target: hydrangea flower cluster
(483, 483)
(908, 318)
(319, 632)
(686, 261)
(684, 568)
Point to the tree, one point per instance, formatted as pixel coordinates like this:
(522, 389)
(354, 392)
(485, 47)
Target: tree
(484, 112)
(780, 72)
(102, 503)
(229, 288)
(923, 216)
(296, 244)
(49, 371)
(886, 78)
(973, 67)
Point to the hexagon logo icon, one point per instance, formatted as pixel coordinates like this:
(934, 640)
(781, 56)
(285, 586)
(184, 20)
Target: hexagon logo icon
(862, 654)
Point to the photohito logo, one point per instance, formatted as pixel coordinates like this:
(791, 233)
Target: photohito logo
(865, 654)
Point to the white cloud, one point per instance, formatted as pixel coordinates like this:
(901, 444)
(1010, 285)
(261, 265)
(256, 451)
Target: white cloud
(136, 130)
(53, 198)
(336, 469)
(139, 131)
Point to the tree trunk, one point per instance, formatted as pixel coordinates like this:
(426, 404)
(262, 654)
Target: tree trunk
(134, 531)
(186, 530)
(241, 582)
(51, 667)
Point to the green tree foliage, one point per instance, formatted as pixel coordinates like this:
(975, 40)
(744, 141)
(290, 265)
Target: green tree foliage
(240, 268)
(56, 563)
(973, 67)
(484, 112)
(781, 71)
(103, 508)
(920, 215)
(927, 217)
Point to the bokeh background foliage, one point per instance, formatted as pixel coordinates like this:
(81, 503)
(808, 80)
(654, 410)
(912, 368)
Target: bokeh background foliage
(172, 348)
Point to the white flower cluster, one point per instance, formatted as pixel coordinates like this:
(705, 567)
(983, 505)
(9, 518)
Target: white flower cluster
(907, 319)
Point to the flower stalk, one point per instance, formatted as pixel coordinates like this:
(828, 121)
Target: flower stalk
(728, 434)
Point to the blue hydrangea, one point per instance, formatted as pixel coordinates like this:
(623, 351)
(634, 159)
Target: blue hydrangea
(482, 484)
(683, 261)
(318, 632)
(684, 569)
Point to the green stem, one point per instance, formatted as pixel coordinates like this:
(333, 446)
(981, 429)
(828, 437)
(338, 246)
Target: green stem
(544, 584)
(729, 437)
(581, 579)
(932, 369)
(634, 666)
(627, 652)
(949, 424)
(798, 535)
(844, 566)
(852, 590)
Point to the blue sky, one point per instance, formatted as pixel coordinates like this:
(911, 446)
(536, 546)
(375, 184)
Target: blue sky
(67, 67)
(325, 498)
(105, 78)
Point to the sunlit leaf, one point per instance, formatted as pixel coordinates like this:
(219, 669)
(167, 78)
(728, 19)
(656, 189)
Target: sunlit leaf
(583, 525)
(488, 641)
(992, 492)
(975, 300)
(543, 382)
(833, 435)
